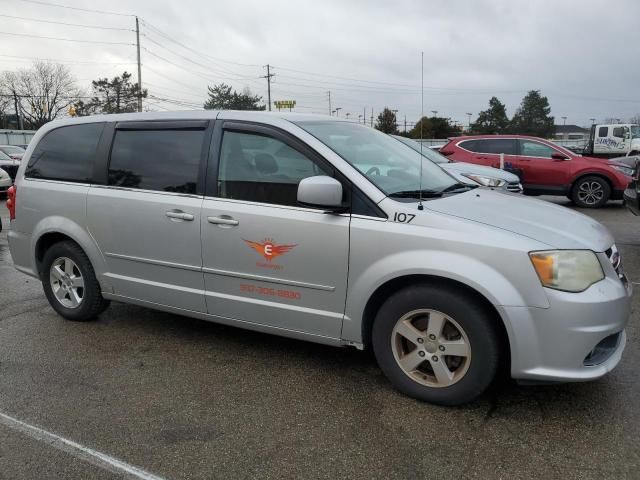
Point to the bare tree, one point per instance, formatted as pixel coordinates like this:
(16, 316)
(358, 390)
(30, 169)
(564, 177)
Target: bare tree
(635, 119)
(43, 92)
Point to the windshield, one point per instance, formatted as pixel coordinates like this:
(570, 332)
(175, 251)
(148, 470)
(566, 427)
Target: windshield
(427, 152)
(389, 164)
(12, 149)
(635, 131)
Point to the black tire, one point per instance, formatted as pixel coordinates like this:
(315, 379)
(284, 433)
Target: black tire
(478, 324)
(92, 303)
(590, 183)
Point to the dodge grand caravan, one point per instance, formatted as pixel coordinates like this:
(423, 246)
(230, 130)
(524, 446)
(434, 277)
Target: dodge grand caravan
(286, 224)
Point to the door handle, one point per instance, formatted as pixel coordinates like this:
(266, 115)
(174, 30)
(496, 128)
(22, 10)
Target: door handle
(224, 220)
(179, 215)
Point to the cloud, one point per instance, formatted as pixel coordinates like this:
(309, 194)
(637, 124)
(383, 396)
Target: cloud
(366, 52)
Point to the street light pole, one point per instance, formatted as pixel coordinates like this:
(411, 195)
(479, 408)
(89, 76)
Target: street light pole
(469, 124)
(395, 119)
(564, 121)
(337, 110)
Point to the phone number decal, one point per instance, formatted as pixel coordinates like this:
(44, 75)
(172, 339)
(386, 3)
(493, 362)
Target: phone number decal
(270, 292)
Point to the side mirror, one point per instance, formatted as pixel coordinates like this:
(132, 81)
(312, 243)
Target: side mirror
(559, 156)
(320, 191)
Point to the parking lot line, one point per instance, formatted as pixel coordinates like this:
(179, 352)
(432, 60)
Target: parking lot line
(87, 454)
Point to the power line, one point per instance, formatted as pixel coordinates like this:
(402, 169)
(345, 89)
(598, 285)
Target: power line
(65, 39)
(198, 74)
(186, 59)
(103, 12)
(67, 24)
(161, 33)
(19, 57)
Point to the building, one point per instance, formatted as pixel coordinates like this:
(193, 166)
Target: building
(571, 133)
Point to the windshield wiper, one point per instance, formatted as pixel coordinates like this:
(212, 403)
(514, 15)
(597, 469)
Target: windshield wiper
(416, 194)
(458, 188)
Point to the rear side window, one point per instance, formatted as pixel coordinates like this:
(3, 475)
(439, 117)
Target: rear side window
(618, 132)
(163, 160)
(603, 131)
(496, 145)
(66, 153)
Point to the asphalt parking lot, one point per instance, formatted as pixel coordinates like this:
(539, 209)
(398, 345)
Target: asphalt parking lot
(185, 399)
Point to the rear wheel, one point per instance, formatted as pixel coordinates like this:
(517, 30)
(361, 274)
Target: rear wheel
(436, 344)
(70, 284)
(591, 192)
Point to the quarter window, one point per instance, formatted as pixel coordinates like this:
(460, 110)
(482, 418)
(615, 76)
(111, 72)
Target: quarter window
(66, 153)
(529, 148)
(262, 169)
(163, 160)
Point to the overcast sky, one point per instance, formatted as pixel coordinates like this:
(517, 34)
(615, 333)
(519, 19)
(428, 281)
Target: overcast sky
(582, 55)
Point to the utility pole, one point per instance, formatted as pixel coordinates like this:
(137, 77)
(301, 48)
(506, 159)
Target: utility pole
(364, 115)
(405, 124)
(372, 118)
(329, 93)
(18, 116)
(268, 77)
(593, 120)
(139, 67)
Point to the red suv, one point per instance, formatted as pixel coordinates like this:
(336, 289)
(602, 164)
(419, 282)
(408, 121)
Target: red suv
(545, 168)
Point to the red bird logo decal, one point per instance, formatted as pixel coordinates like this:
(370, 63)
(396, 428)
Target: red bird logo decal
(268, 249)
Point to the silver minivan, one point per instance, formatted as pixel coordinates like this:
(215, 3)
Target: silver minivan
(322, 230)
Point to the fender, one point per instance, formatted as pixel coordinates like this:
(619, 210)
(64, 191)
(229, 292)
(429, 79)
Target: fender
(470, 271)
(78, 234)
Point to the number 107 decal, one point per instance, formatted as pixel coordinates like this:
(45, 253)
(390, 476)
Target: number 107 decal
(403, 217)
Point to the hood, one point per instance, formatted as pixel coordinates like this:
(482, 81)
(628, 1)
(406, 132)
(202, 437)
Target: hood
(472, 168)
(557, 226)
(630, 161)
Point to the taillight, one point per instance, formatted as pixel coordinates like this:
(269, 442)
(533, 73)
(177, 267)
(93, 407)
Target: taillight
(11, 202)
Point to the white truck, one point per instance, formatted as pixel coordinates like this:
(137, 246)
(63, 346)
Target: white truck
(613, 140)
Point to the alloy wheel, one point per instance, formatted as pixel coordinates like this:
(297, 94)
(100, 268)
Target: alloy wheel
(590, 193)
(431, 348)
(66, 282)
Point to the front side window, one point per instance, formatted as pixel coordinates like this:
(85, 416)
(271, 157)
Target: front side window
(387, 163)
(259, 168)
(66, 153)
(530, 148)
(619, 132)
(162, 160)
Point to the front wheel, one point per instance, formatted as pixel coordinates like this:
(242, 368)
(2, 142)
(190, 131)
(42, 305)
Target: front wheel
(591, 192)
(436, 344)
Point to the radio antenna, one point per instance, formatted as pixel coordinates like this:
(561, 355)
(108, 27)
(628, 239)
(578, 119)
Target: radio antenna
(420, 207)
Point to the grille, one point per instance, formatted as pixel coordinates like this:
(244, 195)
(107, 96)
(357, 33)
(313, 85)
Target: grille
(514, 187)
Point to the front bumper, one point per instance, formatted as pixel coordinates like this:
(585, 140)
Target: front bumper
(579, 337)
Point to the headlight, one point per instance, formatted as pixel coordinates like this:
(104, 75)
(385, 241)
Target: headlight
(626, 170)
(485, 181)
(568, 270)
